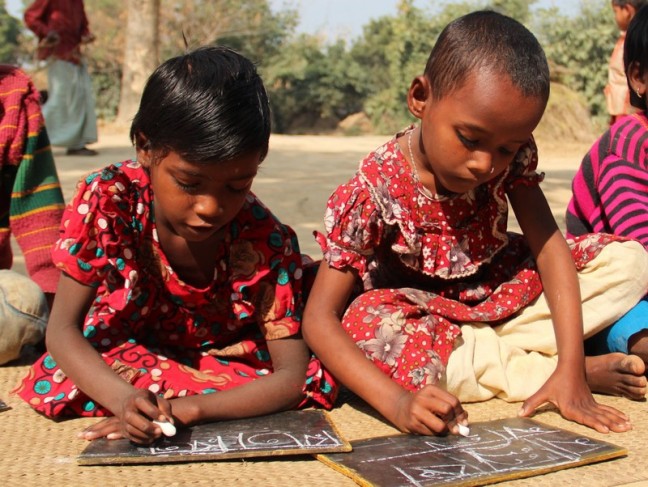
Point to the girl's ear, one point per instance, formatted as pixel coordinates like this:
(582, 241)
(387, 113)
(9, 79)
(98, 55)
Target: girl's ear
(418, 96)
(637, 80)
(143, 150)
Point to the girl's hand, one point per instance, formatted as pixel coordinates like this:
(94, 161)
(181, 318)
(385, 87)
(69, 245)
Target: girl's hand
(429, 411)
(109, 428)
(575, 402)
(138, 412)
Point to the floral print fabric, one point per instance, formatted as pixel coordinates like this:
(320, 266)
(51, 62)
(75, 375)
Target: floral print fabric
(155, 330)
(430, 263)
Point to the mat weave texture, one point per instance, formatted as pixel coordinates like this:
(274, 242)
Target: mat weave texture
(39, 452)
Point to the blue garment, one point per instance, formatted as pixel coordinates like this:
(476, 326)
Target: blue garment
(616, 336)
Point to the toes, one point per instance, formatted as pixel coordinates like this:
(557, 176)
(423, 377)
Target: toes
(632, 364)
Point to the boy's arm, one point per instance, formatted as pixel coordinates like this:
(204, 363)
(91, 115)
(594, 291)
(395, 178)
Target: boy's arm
(567, 387)
(36, 18)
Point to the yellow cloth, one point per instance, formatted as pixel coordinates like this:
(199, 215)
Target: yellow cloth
(512, 361)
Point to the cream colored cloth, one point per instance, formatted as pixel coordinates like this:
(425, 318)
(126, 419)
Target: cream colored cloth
(512, 361)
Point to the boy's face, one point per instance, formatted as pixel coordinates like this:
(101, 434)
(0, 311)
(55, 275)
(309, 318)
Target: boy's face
(194, 201)
(473, 133)
(623, 15)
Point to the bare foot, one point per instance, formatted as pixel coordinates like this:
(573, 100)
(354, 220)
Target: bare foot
(638, 345)
(617, 374)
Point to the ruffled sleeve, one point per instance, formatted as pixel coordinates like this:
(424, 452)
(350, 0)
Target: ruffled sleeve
(523, 169)
(101, 231)
(353, 227)
(266, 272)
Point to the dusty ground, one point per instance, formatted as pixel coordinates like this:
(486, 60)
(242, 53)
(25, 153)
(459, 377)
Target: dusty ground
(301, 172)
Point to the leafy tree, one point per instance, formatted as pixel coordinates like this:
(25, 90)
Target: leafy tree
(10, 28)
(580, 47)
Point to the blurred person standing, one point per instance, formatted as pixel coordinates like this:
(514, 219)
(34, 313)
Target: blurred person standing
(617, 96)
(62, 27)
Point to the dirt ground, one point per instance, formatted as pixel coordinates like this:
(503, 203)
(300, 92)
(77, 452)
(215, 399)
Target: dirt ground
(300, 173)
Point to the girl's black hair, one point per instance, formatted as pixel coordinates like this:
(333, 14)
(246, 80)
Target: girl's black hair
(207, 105)
(491, 41)
(637, 4)
(635, 51)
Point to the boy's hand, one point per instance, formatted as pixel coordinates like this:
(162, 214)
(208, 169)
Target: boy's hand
(575, 402)
(430, 411)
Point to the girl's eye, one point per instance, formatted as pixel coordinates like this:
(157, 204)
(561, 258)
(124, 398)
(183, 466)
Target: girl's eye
(185, 186)
(240, 189)
(468, 143)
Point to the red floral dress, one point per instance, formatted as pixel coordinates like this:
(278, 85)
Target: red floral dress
(158, 332)
(429, 263)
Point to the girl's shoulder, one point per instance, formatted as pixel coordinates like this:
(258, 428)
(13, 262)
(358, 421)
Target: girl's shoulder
(120, 177)
(257, 221)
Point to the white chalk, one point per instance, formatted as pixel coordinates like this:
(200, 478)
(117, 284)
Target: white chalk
(463, 430)
(167, 428)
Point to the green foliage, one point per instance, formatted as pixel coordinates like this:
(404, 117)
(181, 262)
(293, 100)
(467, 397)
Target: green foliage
(9, 36)
(314, 83)
(580, 48)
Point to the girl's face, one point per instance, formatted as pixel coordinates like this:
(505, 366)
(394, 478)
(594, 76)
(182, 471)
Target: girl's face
(472, 134)
(194, 201)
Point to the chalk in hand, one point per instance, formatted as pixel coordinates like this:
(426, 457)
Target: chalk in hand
(167, 428)
(463, 430)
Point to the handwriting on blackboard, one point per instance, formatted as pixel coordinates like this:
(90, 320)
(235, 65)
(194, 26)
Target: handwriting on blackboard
(494, 451)
(290, 432)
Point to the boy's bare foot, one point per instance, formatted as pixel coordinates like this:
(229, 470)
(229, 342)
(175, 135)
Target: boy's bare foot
(617, 374)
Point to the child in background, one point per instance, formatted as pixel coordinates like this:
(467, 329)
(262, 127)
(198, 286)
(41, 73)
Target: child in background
(186, 287)
(455, 308)
(31, 205)
(610, 189)
(616, 91)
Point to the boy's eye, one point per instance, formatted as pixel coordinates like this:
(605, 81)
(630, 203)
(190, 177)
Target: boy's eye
(468, 143)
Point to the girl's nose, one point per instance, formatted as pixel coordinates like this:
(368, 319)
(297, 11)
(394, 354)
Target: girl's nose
(481, 163)
(208, 207)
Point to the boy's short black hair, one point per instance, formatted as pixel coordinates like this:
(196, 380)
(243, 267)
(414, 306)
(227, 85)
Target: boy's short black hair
(635, 51)
(207, 105)
(487, 40)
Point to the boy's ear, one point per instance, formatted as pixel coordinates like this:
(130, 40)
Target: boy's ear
(418, 96)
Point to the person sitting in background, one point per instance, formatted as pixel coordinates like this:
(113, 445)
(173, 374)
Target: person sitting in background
(31, 207)
(610, 190)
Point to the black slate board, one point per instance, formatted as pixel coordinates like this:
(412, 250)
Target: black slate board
(494, 451)
(288, 433)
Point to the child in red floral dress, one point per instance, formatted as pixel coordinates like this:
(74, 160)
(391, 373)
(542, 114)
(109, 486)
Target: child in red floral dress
(455, 308)
(181, 293)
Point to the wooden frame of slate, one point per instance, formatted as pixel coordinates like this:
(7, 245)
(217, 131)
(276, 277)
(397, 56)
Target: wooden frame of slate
(306, 431)
(494, 451)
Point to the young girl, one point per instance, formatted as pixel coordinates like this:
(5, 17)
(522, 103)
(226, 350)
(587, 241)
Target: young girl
(610, 189)
(183, 282)
(422, 225)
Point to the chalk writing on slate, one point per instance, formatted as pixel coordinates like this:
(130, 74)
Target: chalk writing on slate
(494, 451)
(287, 433)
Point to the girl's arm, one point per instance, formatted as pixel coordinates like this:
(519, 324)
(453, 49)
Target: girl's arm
(278, 391)
(567, 387)
(78, 359)
(429, 411)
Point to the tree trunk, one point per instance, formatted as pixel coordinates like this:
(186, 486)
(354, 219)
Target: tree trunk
(140, 55)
